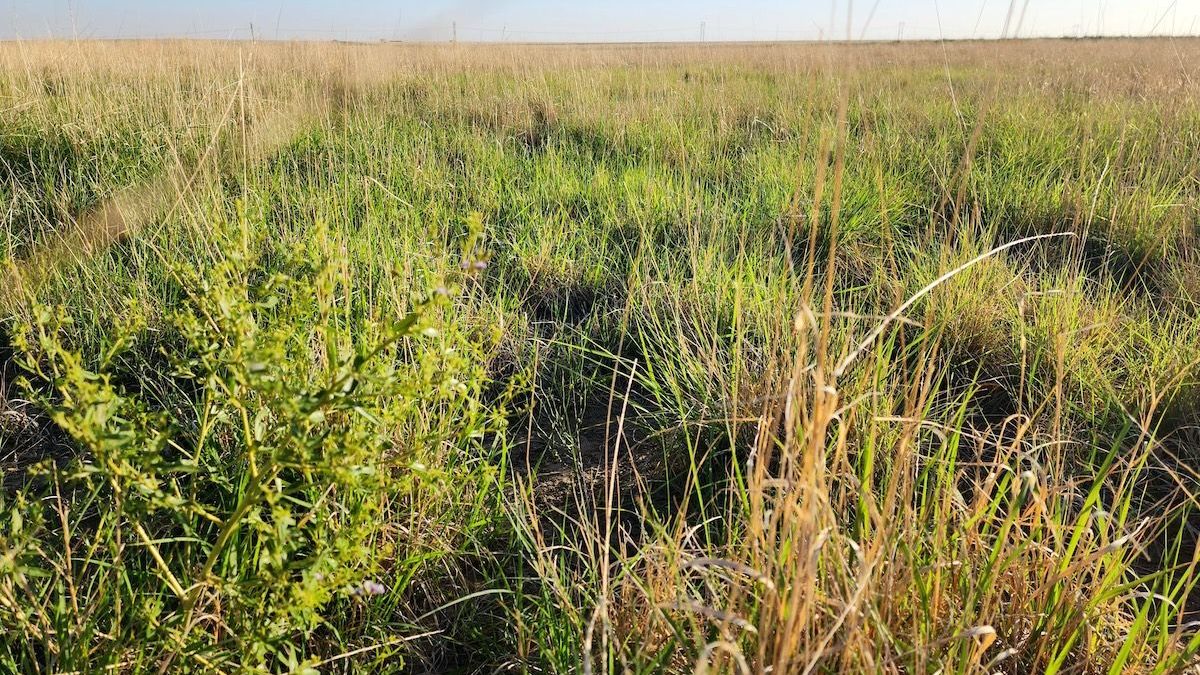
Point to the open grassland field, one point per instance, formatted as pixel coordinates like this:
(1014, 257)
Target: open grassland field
(825, 358)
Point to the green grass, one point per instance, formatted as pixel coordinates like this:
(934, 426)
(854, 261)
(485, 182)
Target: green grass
(565, 359)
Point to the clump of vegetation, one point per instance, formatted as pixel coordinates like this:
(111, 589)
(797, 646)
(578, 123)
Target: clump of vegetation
(220, 512)
(808, 358)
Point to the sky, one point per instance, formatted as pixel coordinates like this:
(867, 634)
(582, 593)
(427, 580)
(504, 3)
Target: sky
(592, 20)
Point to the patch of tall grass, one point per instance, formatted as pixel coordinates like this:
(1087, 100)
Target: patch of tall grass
(638, 359)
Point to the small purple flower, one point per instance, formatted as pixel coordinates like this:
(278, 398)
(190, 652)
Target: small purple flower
(370, 587)
(479, 265)
(442, 291)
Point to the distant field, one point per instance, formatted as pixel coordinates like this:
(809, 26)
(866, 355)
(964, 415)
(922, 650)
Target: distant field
(808, 358)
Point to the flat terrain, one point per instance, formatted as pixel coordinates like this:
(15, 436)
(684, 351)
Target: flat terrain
(808, 358)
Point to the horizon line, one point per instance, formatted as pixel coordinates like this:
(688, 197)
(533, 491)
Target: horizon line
(493, 43)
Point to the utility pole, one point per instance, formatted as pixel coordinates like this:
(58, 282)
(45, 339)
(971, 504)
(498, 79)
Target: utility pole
(454, 32)
(900, 32)
(703, 30)
(74, 21)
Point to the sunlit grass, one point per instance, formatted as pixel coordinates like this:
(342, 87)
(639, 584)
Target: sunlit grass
(637, 359)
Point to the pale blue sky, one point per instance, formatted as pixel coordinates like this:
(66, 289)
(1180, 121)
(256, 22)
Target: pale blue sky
(589, 20)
